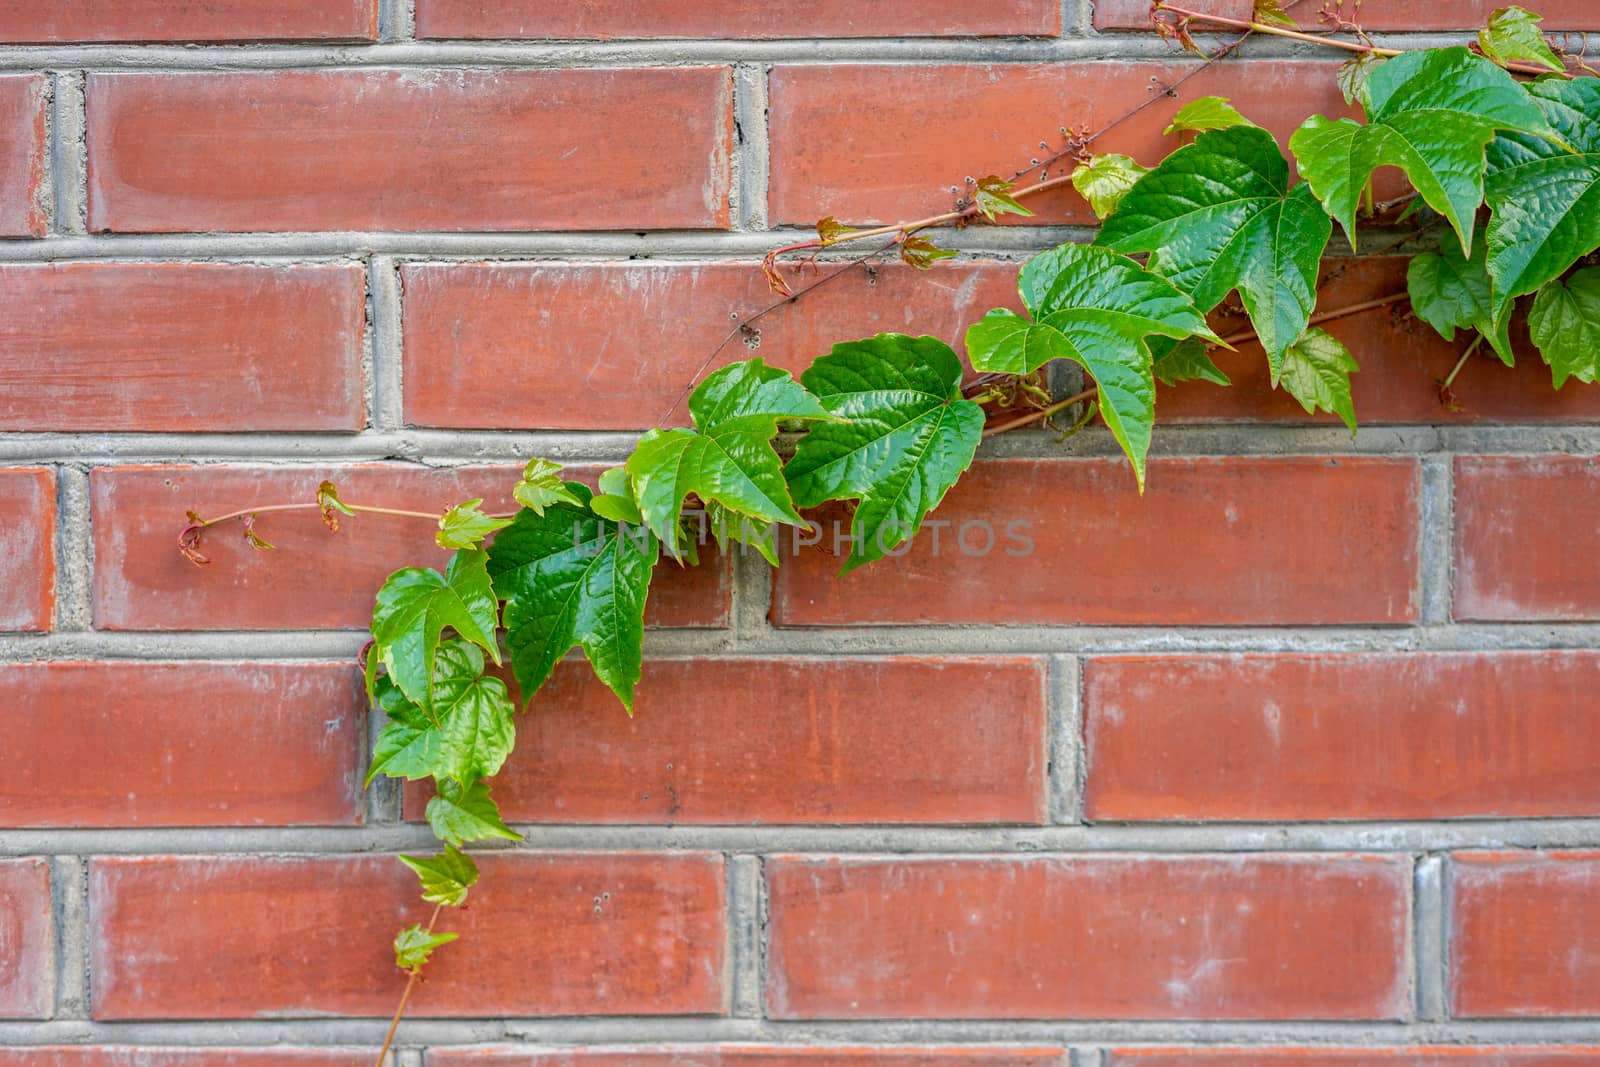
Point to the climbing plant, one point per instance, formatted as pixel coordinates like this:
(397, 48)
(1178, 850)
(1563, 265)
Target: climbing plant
(1505, 173)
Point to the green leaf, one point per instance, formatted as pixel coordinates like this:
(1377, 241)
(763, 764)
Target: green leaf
(993, 197)
(1353, 74)
(1565, 324)
(1206, 113)
(1430, 113)
(905, 437)
(465, 525)
(728, 457)
(570, 578)
(418, 604)
(408, 745)
(414, 945)
(1316, 372)
(1095, 308)
(922, 253)
(465, 732)
(1105, 179)
(460, 813)
(615, 499)
(446, 877)
(1449, 292)
(727, 526)
(1513, 35)
(541, 486)
(1218, 215)
(1546, 200)
(1187, 360)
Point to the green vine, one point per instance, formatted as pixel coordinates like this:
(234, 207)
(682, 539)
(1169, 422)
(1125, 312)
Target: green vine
(890, 423)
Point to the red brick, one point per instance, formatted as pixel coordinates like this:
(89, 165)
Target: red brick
(27, 981)
(410, 150)
(1526, 538)
(867, 741)
(46, 21)
(748, 1056)
(1270, 738)
(1441, 1056)
(1372, 15)
(1098, 938)
(127, 1056)
(1525, 936)
(989, 119)
(180, 347)
(23, 168)
(1265, 541)
(483, 341)
(141, 744)
(254, 937)
(1402, 359)
(27, 548)
(316, 579)
(743, 19)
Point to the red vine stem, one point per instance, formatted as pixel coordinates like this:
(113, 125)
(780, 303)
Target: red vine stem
(411, 984)
(242, 512)
(1313, 38)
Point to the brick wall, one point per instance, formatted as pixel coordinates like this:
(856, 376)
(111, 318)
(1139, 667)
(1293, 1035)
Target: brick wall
(1291, 761)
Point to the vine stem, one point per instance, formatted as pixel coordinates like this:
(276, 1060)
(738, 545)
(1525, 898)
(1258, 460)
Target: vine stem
(1327, 316)
(242, 512)
(1313, 38)
(1043, 413)
(411, 985)
(1462, 362)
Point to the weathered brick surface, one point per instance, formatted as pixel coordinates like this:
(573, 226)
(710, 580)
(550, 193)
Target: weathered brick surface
(27, 982)
(143, 744)
(27, 549)
(1276, 535)
(886, 741)
(1409, 736)
(1080, 756)
(256, 937)
(602, 19)
(752, 1056)
(1524, 539)
(1525, 939)
(49, 21)
(484, 340)
(1171, 938)
(181, 347)
(408, 150)
(24, 172)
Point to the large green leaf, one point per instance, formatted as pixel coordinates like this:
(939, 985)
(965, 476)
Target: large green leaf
(728, 457)
(1316, 372)
(461, 813)
(1430, 113)
(1545, 199)
(1565, 324)
(446, 877)
(1096, 308)
(1219, 215)
(906, 436)
(417, 604)
(465, 732)
(1449, 291)
(570, 578)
